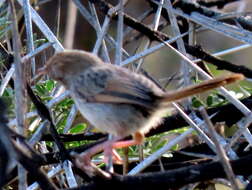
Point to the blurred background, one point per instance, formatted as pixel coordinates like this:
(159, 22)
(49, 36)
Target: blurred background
(161, 64)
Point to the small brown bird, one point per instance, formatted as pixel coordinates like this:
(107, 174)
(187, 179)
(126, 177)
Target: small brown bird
(116, 100)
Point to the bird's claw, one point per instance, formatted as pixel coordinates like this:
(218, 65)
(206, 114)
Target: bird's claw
(83, 162)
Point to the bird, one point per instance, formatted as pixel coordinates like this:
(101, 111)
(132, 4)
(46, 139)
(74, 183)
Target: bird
(116, 100)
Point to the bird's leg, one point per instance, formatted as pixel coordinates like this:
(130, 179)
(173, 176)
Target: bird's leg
(108, 146)
(110, 151)
(85, 157)
(137, 139)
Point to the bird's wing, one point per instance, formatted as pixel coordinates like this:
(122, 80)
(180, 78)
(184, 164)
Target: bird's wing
(101, 85)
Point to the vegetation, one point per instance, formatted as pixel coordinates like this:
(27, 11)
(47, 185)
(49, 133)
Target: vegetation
(204, 145)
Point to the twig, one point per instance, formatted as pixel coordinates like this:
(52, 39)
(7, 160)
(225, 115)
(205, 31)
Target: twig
(189, 6)
(34, 169)
(228, 51)
(20, 96)
(6, 79)
(44, 113)
(204, 156)
(38, 134)
(50, 174)
(149, 160)
(151, 50)
(243, 124)
(37, 51)
(70, 25)
(219, 3)
(195, 126)
(58, 16)
(222, 64)
(155, 28)
(172, 179)
(69, 174)
(227, 94)
(93, 21)
(22, 153)
(180, 43)
(118, 53)
(29, 34)
(97, 27)
(220, 151)
(44, 28)
(70, 119)
(159, 36)
(217, 26)
(103, 31)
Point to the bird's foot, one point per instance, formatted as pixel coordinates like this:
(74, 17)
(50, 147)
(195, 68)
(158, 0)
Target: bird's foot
(83, 162)
(108, 152)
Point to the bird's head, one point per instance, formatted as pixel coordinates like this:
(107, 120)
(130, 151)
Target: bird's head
(64, 65)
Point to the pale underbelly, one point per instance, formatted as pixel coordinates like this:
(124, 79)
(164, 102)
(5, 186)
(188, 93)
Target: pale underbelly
(120, 120)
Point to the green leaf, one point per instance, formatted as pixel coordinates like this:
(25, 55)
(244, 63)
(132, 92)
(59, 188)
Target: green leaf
(210, 100)
(196, 102)
(39, 42)
(40, 89)
(78, 128)
(49, 85)
(214, 100)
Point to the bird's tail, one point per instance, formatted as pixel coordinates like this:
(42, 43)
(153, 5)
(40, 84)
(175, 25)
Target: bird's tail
(201, 87)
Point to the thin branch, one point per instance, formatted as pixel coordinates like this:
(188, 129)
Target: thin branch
(97, 27)
(70, 119)
(52, 173)
(44, 28)
(29, 33)
(180, 43)
(70, 25)
(103, 32)
(20, 96)
(218, 3)
(7, 79)
(149, 160)
(44, 113)
(217, 26)
(37, 51)
(146, 162)
(195, 51)
(147, 42)
(36, 137)
(118, 53)
(173, 179)
(225, 92)
(189, 7)
(220, 151)
(69, 174)
(34, 169)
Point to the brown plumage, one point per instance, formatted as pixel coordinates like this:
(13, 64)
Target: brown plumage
(114, 99)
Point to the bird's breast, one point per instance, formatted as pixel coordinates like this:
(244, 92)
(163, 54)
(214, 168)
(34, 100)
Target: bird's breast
(117, 119)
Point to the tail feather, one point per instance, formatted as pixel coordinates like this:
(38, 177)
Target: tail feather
(201, 87)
